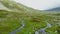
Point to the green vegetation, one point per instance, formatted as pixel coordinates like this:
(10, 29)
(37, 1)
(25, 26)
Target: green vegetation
(34, 19)
(58, 29)
(8, 21)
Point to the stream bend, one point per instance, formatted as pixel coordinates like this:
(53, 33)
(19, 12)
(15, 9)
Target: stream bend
(18, 29)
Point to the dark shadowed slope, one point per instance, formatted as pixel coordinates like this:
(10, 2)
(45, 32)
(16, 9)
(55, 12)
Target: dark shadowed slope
(54, 9)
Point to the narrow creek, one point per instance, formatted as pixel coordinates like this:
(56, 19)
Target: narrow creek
(21, 27)
(42, 30)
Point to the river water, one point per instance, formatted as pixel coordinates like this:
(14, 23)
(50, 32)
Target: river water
(14, 32)
(42, 30)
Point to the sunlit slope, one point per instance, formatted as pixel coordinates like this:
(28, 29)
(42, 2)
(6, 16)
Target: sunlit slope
(11, 5)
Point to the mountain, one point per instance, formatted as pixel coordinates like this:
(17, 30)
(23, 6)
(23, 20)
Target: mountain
(54, 9)
(12, 14)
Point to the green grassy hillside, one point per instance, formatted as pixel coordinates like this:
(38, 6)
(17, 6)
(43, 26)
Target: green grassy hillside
(13, 13)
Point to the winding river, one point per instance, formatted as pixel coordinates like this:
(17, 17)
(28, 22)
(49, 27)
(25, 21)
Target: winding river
(42, 30)
(14, 32)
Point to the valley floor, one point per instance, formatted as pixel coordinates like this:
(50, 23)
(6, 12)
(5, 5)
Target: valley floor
(11, 21)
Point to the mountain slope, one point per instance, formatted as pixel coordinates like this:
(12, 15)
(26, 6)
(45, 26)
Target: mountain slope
(54, 9)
